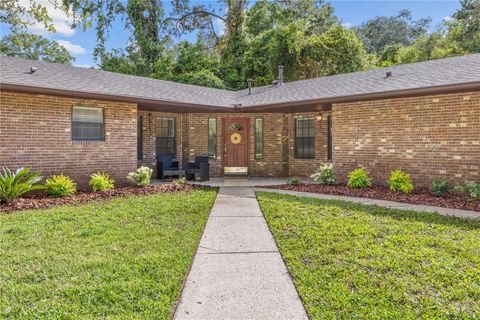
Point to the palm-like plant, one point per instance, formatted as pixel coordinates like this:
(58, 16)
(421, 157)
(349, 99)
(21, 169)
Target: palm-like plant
(14, 184)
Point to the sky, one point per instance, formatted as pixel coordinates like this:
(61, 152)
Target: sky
(80, 44)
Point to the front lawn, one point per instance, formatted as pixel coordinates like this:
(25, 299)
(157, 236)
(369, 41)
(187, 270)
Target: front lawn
(351, 261)
(121, 259)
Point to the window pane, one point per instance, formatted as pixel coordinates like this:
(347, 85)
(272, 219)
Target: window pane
(305, 138)
(166, 142)
(139, 138)
(212, 138)
(259, 138)
(330, 139)
(87, 123)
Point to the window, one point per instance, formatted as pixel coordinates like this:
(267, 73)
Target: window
(212, 138)
(330, 140)
(166, 144)
(305, 138)
(87, 123)
(139, 138)
(259, 139)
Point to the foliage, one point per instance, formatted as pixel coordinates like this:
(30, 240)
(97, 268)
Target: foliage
(351, 261)
(465, 27)
(471, 188)
(325, 174)
(295, 181)
(359, 178)
(20, 14)
(381, 31)
(439, 186)
(126, 257)
(15, 184)
(59, 186)
(33, 47)
(400, 181)
(180, 181)
(141, 177)
(431, 47)
(101, 181)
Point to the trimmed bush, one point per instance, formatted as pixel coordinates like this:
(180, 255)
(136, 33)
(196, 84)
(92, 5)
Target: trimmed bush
(180, 181)
(325, 174)
(359, 178)
(14, 184)
(472, 189)
(141, 177)
(295, 181)
(439, 186)
(101, 181)
(59, 186)
(400, 181)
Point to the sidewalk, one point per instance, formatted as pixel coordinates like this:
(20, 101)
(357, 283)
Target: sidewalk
(382, 203)
(237, 272)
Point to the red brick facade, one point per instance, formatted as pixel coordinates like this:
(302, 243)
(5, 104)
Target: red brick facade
(35, 132)
(427, 136)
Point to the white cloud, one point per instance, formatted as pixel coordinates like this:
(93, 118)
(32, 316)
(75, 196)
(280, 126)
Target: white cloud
(219, 26)
(60, 20)
(72, 48)
(448, 18)
(347, 25)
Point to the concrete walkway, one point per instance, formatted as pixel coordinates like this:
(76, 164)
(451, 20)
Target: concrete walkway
(237, 272)
(383, 203)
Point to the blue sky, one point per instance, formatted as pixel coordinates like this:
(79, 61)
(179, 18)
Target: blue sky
(80, 44)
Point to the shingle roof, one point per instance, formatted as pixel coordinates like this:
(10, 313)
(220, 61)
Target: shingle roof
(61, 77)
(429, 74)
(449, 71)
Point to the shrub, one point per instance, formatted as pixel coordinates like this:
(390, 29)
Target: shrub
(325, 174)
(59, 186)
(472, 189)
(14, 184)
(439, 186)
(359, 178)
(180, 181)
(141, 177)
(101, 181)
(400, 181)
(295, 181)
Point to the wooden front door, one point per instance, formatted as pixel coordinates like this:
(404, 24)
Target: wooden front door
(236, 145)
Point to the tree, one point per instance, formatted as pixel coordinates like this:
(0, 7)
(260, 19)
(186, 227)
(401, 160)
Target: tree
(34, 47)
(465, 28)
(431, 47)
(19, 14)
(381, 31)
(302, 55)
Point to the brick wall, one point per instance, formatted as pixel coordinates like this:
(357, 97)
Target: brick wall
(279, 143)
(427, 136)
(35, 132)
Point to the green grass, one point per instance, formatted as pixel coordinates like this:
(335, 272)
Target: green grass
(119, 259)
(351, 261)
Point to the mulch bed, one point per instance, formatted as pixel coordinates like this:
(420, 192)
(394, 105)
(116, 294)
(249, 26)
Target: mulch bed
(40, 200)
(420, 196)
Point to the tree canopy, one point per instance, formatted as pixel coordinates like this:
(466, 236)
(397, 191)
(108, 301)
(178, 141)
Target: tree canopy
(34, 47)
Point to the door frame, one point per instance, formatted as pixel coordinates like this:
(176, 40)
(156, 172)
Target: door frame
(224, 146)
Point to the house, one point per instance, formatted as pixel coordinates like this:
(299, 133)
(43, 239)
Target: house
(423, 118)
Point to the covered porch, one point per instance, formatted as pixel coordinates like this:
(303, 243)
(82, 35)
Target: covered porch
(258, 143)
